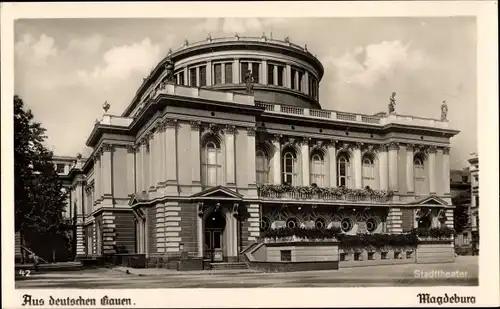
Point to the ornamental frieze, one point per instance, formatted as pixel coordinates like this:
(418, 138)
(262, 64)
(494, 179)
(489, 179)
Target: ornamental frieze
(446, 150)
(195, 125)
(230, 129)
(393, 146)
(251, 131)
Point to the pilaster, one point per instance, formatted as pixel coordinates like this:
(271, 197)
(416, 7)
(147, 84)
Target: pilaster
(304, 148)
(107, 174)
(160, 228)
(236, 71)
(152, 159)
(195, 156)
(276, 160)
(332, 159)
(306, 83)
(230, 155)
(409, 168)
(394, 221)
(209, 73)
(161, 176)
(432, 169)
(288, 77)
(393, 166)
(446, 170)
(172, 227)
(199, 230)
(171, 156)
(251, 170)
(130, 170)
(264, 72)
(358, 176)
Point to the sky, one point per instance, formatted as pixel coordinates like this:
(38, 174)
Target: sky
(65, 69)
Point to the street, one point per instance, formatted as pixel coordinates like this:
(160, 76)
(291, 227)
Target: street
(393, 275)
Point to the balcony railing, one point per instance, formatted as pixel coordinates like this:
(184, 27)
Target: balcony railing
(324, 195)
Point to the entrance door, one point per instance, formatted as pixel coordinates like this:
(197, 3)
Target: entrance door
(214, 230)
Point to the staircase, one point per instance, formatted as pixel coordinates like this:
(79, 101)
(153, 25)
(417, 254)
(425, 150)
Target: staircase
(225, 266)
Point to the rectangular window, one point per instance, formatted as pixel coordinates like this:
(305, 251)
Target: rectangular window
(255, 72)
(192, 77)
(228, 68)
(294, 79)
(217, 74)
(203, 76)
(397, 255)
(383, 255)
(301, 81)
(286, 255)
(357, 256)
(342, 257)
(181, 78)
(371, 255)
(409, 254)
(270, 74)
(244, 70)
(60, 168)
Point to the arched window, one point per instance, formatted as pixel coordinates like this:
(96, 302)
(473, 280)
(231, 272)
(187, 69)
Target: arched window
(343, 171)
(211, 165)
(318, 169)
(368, 172)
(419, 175)
(289, 168)
(262, 167)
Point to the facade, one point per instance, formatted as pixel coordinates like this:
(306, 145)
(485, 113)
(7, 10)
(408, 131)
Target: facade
(474, 207)
(226, 138)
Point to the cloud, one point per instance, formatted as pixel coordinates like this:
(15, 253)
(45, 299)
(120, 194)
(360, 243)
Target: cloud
(366, 66)
(36, 51)
(90, 44)
(121, 62)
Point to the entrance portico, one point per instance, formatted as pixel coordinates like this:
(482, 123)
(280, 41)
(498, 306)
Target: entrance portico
(218, 224)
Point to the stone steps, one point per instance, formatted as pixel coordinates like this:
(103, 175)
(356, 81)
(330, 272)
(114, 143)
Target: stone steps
(224, 266)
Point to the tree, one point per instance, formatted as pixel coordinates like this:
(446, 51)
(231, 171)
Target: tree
(461, 212)
(39, 199)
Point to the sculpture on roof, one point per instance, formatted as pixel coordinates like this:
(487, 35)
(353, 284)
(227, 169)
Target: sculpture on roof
(169, 68)
(305, 47)
(444, 111)
(249, 80)
(78, 156)
(186, 42)
(209, 37)
(237, 36)
(392, 103)
(106, 106)
(169, 52)
(287, 39)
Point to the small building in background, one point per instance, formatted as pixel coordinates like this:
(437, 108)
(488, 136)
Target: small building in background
(460, 189)
(474, 207)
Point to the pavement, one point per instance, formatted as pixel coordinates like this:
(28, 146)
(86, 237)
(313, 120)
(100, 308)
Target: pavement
(391, 275)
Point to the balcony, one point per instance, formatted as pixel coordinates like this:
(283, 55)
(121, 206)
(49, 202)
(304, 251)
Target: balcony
(314, 193)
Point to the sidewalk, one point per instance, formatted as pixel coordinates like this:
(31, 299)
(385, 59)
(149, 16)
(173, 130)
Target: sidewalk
(172, 272)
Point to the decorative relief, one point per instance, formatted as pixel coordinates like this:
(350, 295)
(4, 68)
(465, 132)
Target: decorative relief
(251, 131)
(393, 146)
(107, 147)
(446, 150)
(432, 149)
(230, 129)
(171, 123)
(276, 138)
(161, 126)
(411, 146)
(195, 125)
(131, 148)
(357, 145)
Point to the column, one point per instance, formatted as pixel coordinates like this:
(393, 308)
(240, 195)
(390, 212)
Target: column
(171, 155)
(195, 154)
(197, 77)
(432, 169)
(138, 167)
(304, 149)
(186, 77)
(276, 161)
(297, 80)
(264, 72)
(209, 73)
(143, 163)
(288, 77)
(446, 170)
(275, 75)
(234, 235)
(393, 166)
(161, 127)
(306, 82)
(332, 160)
(409, 168)
(383, 167)
(223, 73)
(358, 176)
(230, 156)
(199, 230)
(97, 183)
(107, 170)
(251, 171)
(236, 71)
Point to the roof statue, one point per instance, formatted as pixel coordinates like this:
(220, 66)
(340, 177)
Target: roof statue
(78, 156)
(392, 103)
(263, 37)
(287, 39)
(169, 68)
(106, 106)
(186, 42)
(236, 35)
(209, 37)
(444, 111)
(249, 80)
(305, 47)
(169, 52)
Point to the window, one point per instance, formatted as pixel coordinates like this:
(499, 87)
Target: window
(292, 223)
(465, 178)
(255, 72)
(343, 257)
(342, 171)
(60, 168)
(409, 254)
(357, 256)
(244, 69)
(371, 225)
(289, 168)
(286, 255)
(368, 172)
(265, 224)
(228, 76)
(419, 175)
(270, 74)
(203, 76)
(383, 255)
(211, 167)
(281, 76)
(217, 74)
(397, 255)
(371, 255)
(318, 170)
(262, 166)
(313, 87)
(192, 77)
(346, 225)
(180, 78)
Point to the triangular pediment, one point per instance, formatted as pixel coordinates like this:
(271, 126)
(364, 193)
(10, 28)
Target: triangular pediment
(218, 192)
(430, 200)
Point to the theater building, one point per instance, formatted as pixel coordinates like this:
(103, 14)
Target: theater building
(226, 138)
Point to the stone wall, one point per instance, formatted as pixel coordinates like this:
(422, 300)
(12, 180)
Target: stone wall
(440, 251)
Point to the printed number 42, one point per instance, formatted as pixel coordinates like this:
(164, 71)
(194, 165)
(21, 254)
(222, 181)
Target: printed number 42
(25, 273)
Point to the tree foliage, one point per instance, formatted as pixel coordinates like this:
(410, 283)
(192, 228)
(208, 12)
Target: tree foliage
(461, 211)
(39, 200)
